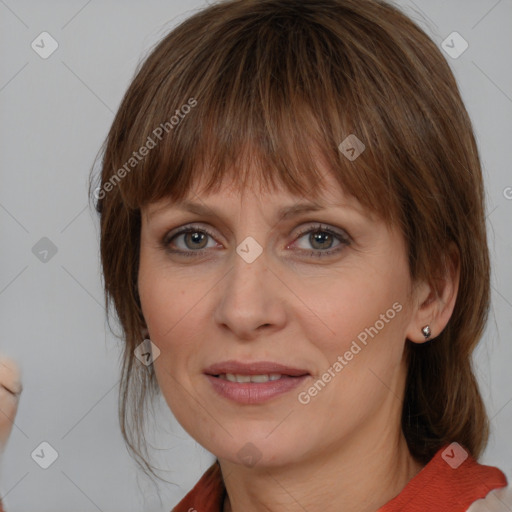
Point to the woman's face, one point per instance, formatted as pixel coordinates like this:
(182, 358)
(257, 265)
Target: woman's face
(250, 285)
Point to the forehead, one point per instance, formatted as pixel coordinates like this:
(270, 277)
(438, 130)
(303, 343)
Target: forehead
(231, 191)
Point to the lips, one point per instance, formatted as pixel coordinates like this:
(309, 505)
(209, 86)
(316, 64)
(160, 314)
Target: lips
(253, 383)
(254, 368)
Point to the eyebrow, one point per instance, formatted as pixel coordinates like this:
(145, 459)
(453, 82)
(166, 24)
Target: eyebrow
(284, 212)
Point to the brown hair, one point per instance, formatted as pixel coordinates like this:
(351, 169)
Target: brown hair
(275, 81)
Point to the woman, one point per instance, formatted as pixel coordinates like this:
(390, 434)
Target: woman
(293, 239)
(292, 216)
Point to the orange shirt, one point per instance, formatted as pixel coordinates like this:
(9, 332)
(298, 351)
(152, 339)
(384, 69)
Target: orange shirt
(438, 487)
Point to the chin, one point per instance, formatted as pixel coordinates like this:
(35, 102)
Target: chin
(258, 452)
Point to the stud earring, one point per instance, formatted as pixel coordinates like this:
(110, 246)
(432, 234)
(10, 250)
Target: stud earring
(426, 331)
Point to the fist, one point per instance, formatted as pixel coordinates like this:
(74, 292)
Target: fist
(10, 389)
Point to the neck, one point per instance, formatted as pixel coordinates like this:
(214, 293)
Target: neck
(362, 478)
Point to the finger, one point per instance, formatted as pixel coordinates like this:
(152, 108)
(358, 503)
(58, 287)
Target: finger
(10, 376)
(10, 391)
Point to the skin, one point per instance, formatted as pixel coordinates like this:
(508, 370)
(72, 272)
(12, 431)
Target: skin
(346, 445)
(10, 389)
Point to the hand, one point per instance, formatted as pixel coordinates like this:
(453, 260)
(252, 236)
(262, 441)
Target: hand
(10, 390)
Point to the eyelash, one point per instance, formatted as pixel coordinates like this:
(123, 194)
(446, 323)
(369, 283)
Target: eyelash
(344, 241)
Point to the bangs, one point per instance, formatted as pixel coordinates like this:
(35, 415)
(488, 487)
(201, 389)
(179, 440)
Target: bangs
(265, 106)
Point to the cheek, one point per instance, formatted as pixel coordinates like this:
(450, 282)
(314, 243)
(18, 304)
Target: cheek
(344, 308)
(167, 306)
(167, 312)
(361, 313)
(166, 297)
(173, 305)
(358, 337)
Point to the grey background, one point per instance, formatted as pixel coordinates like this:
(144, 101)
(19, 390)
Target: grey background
(55, 114)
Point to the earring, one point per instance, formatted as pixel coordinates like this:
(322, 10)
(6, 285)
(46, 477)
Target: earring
(426, 331)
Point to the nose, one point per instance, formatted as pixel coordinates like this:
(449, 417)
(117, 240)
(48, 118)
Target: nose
(252, 300)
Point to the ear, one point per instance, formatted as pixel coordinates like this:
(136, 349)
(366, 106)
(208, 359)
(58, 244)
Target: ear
(434, 303)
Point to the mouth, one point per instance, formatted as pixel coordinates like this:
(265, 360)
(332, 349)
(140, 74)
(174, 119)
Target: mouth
(264, 377)
(270, 369)
(253, 383)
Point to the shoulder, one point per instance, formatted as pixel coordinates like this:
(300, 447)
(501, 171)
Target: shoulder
(497, 499)
(452, 481)
(457, 478)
